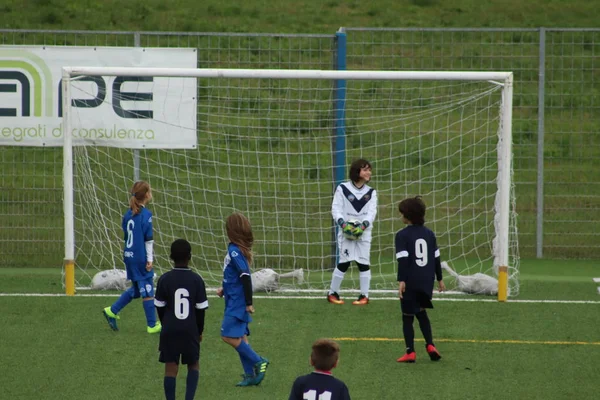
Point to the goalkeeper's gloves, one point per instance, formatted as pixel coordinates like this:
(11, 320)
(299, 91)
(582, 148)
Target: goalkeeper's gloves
(359, 230)
(347, 229)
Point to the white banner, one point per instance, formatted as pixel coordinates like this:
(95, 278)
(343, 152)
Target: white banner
(130, 112)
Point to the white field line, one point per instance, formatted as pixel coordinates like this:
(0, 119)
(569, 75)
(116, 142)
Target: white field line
(321, 298)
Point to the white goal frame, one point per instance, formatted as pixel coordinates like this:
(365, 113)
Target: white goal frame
(504, 180)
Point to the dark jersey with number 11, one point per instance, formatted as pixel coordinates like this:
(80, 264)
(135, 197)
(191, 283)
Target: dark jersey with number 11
(319, 386)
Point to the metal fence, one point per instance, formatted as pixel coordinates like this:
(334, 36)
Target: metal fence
(556, 120)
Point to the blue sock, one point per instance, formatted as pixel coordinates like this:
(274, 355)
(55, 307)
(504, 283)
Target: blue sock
(247, 365)
(247, 355)
(191, 383)
(123, 300)
(150, 312)
(169, 385)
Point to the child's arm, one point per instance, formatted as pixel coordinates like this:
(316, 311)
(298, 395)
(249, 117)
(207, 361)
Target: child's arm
(201, 306)
(438, 268)
(149, 241)
(337, 206)
(159, 300)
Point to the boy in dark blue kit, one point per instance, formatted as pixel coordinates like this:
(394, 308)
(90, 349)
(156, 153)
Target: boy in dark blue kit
(181, 303)
(320, 384)
(418, 265)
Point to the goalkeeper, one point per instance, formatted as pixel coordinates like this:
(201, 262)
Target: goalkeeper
(354, 209)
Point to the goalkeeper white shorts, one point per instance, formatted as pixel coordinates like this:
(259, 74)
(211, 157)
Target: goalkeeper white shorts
(354, 250)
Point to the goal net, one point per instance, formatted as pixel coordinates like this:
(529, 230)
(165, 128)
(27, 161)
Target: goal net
(274, 144)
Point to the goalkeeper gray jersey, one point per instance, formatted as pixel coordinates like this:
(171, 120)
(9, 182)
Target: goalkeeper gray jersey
(351, 203)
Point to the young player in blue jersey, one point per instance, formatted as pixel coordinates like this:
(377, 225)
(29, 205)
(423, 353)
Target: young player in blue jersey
(320, 384)
(418, 266)
(138, 257)
(354, 201)
(237, 290)
(181, 303)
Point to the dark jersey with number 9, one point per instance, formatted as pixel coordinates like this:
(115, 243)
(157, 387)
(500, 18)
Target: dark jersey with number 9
(416, 252)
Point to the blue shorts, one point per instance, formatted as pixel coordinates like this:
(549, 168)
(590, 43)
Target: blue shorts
(234, 328)
(143, 288)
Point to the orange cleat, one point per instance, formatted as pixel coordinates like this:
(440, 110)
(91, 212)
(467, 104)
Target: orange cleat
(334, 298)
(408, 358)
(362, 299)
(433, 353)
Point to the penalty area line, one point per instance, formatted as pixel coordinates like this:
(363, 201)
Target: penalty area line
(475, 341)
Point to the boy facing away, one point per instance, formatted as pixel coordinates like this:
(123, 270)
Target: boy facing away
(418, 265)
(320, 384)
(181, 303)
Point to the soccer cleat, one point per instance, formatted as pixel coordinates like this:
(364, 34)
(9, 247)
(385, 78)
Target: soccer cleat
(260, 369)
(433, 353)
(334, 298)
(362, 299)
(248, 380)
(155, 329)
(408, 358)
(111, 318)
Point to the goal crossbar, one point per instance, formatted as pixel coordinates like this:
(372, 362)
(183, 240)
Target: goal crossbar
(288, 74)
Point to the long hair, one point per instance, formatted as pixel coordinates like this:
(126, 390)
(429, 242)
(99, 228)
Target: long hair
(137, 196)
(239, 232)
(325, 354)
(356, 167)
(413, 210)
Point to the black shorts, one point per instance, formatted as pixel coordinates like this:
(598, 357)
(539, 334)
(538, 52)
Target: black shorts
(175, 348)
(414, 300)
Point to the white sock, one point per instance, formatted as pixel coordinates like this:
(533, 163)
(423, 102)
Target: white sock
(336, 281)
(365, 282)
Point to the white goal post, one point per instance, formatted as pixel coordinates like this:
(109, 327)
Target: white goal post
(410, 124)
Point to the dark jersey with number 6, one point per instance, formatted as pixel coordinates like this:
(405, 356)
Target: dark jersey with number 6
(319, 386)
(180, 293)
(418, 258)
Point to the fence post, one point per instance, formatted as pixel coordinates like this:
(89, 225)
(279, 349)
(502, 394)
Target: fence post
(540, 147)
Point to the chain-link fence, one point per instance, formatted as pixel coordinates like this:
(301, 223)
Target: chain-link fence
(555, 120)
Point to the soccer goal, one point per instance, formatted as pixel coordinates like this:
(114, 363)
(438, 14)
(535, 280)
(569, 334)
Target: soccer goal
(273, 144)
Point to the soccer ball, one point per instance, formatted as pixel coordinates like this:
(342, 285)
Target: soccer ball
(354, 224)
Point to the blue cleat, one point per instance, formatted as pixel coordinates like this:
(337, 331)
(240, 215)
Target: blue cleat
(260, 369)
(111, 318)
(249, 380)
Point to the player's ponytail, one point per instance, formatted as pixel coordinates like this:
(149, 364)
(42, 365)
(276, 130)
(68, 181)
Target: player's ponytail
(138, 196)
(239, 232)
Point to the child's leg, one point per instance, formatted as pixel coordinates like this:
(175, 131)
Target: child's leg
(364, 278)
(192, 380)
(170, 380)
(248, 356)
(124, 299)
(425, 326)
(409, 332)
(338, 276)
(150, 311)
(146, 289)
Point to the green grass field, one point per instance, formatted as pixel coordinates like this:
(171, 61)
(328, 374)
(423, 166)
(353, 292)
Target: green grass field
(543, 344)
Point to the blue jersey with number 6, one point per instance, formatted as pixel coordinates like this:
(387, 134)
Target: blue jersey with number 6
(137, 231)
